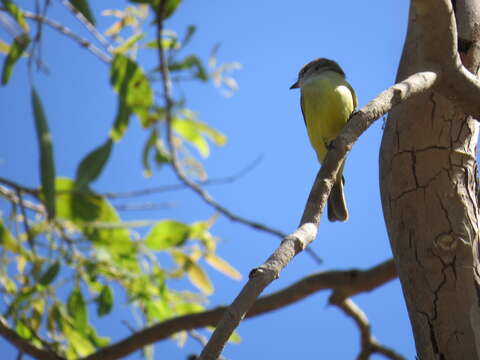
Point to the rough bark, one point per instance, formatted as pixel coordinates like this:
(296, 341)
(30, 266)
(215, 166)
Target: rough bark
(429, 196)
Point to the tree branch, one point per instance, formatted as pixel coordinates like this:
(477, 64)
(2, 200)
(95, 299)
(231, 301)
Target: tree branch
(90, 27)
(13, 198)
(307, 231)
(223, 180)
(348, 283)
(24, 345)
(69, 33)
(369, 345)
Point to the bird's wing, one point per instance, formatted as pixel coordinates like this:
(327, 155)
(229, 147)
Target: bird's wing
(303, 112)
(354, 96)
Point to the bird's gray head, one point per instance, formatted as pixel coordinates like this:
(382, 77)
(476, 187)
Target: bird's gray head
(316, 67)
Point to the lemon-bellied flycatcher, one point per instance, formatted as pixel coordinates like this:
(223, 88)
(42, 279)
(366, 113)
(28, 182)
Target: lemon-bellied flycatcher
(327, 101)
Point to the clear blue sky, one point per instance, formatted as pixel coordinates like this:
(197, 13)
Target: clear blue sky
(272, 40)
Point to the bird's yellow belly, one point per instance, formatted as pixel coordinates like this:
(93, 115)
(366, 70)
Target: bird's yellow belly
(327, 106)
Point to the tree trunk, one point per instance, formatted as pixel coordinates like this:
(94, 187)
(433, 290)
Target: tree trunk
(429, 195)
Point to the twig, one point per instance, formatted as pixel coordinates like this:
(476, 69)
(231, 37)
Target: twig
(167, 94)
(13, 198)
(218, 181)
(144, 206)
(369, 345)
(293, 244)
(90, 27)
(348, 282)
(67, 32)
(17, 186)
(25, 220)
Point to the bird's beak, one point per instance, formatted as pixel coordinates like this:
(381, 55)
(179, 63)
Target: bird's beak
(295, 86)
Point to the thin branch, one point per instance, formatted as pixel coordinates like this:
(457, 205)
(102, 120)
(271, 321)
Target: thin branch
(293, 244)
(349, 282)
(90, 27)
(17, 186)
(13, 198)
(26, 226)
(69, 33)
(24, 345)
(158, 189)
(167, 94)
(369, 345)
(143, 206)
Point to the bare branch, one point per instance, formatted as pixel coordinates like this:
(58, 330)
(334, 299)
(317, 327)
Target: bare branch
(307, 231)
(24, 345)
(13, 198)
(158, 189)
(167, 93)
(349, 283)
(90, 27)
(69, 33)
(369, 345)
(21, 188)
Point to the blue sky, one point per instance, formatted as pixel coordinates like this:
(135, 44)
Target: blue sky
(272, 40)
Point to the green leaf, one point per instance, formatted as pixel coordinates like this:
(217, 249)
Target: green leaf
(223, 266)
(133, 87)
(195, 131)
(199, 278)
(77, 309)
(104, 301)
(149, 144)
(7, 241)
(191, 62)
(50, 274)
(83, 7)
(80, 345)
(216, 136)
(189, 131)
(47, 165)
(157, 310)
(166, 234)
(16, 50)
(169, 43)
(85, 209)
(128, 44)
(16, 13)
(4, 47)
(170, 6)
(92, 165)
(162, 155)
(122, 119)
(22, 330)
(189, 34)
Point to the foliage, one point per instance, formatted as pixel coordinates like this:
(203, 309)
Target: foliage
(75, 254)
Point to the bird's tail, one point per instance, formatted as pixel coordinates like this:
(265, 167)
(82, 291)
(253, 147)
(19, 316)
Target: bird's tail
(337, 207)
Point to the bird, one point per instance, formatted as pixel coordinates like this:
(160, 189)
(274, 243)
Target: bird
(327, 101)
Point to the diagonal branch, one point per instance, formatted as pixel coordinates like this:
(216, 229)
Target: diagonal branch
(348, 283)
(217, 181)
(90, 27)
(307, 231)
(24, 345)
(369, 345)
(69, 33)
